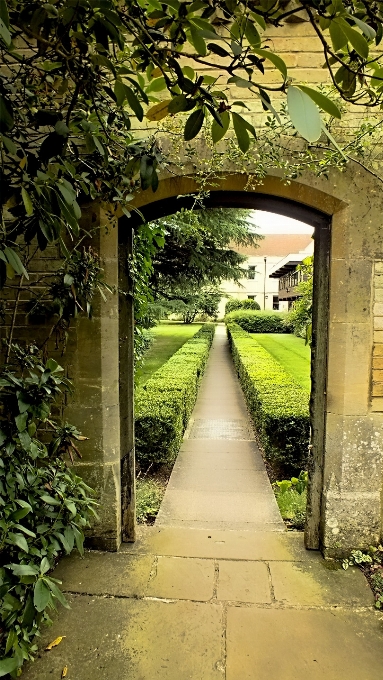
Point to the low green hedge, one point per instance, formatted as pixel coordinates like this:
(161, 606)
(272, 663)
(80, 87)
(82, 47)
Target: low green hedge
(164, 404)
(253, 321)
(278, 405)
(235, 303)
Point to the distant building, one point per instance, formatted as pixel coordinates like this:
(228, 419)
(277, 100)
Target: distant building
(260, 263)
(288, 275)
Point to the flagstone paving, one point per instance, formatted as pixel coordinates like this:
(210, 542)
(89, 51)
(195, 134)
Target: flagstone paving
(216, 589)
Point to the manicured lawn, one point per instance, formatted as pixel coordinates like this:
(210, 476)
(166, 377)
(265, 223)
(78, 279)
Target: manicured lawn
(292, 354)
(168, 338)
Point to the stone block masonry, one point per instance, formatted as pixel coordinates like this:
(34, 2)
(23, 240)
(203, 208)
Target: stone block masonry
(377, 352)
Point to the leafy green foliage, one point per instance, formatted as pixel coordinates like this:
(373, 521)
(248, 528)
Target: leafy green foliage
(254, 321)
(164, 404)
(45, 506)
(234, 304)
(67, 112)
(200, 248)
(192, 303)
(371, 564)
(70, 291)
(181, 259)
(292, 506)
(299, 318)
(277, 404)
(298, 484)
(149, 495)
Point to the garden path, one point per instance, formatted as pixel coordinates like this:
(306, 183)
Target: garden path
(219, 480)
(206, 594)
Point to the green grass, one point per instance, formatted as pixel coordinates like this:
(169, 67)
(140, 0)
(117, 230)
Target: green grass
(168, 338)
(291, 352)
(149, 495)
(292, 506)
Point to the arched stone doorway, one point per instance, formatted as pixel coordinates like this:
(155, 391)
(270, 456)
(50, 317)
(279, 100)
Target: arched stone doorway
(347, 400)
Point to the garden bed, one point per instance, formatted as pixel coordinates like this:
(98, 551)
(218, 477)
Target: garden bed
(163, 409)
(278, 405)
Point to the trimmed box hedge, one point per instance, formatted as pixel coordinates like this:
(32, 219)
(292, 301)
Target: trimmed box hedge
(278, 405)
(164, 404)
(254, 321)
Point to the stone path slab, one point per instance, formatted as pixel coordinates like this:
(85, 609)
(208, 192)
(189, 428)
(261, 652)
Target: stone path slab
(268, 612)
(309, 645)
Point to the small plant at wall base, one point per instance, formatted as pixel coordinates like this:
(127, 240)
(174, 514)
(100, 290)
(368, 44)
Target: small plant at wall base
(291, 496)
(149, 494)
(45, 506)
(371, 564)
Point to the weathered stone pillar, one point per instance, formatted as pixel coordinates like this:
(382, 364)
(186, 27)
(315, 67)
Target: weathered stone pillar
(126, 349)
(94, 369)
(352, 475)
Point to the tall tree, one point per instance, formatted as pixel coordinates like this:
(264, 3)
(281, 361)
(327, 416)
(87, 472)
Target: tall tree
(200, 248)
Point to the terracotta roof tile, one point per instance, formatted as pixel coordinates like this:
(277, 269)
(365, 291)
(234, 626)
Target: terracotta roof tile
(278, 245)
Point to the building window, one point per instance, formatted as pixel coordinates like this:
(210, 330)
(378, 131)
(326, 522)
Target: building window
(251, 297)
(251, 272)
(275, 302)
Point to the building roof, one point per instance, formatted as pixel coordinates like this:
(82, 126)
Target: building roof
(277, 245)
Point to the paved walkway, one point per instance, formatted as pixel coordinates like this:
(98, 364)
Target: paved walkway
(216, 590)
(219, 480)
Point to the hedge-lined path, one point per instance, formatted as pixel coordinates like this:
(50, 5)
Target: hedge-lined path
(213, 604)
(219, 480)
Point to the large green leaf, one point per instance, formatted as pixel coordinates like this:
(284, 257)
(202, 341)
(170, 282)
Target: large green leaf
(193, 124)
(357, 40)
(5, 34)
(24, 569)
(19, 540)
(181, 103)
(218, 131)
(241, 132)
(41, 595)
(156, 85)
(7, 666)
(134, 103)
(338, 37)
(274, 58)
(15, 262)
(368, 31)
(252, 34)
(199, 44)
(304, 114)
(322, 101)
(6, 115)
(28, 205)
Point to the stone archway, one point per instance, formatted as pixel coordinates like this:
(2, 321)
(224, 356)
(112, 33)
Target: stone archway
(347, 400)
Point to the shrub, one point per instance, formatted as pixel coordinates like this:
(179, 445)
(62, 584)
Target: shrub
(45, 506)
(149, 495)
(278, 405)
(234, 304)
(258, 322)
(291, 497)
(164, 404)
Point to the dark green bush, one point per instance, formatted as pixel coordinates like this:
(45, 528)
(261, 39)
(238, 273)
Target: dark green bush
(234, 304)
(44, 505)
(258, 322)
(278, 405)
(164, 404)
